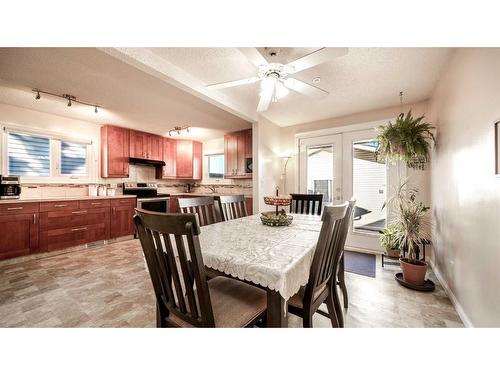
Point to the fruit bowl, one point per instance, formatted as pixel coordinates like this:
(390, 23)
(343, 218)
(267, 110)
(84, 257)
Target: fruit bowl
(270, 218)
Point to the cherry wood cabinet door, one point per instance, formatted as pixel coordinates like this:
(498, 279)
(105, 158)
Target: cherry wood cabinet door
(139, 144)
(249, 204)
(248, 143)
(230, 155)
(197, 160)
(19, 235)
(169, 157)
(184, 162)
(115, 150)
(240, 153)
(155, 144)
(122, 222)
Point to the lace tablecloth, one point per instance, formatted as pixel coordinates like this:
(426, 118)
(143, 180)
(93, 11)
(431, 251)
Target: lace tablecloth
(275, 257)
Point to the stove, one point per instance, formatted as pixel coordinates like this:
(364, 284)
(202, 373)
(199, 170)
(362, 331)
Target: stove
(147, 196)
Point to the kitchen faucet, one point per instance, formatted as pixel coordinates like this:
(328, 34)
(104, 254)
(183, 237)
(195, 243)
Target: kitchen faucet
(212, 188)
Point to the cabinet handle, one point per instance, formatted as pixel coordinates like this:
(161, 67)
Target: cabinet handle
(79, 212)
(14, 208)
(96, 203)
(60, 205)
(34, 218)
(114, 210)
(78, 229)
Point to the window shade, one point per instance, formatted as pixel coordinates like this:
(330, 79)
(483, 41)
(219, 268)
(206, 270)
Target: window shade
(73, 159)
(28, 155)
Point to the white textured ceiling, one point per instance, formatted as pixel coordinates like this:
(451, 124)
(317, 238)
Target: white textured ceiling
(130, 97)
(362, 80)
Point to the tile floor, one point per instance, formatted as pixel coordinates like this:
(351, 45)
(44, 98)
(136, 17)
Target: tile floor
(109, 287)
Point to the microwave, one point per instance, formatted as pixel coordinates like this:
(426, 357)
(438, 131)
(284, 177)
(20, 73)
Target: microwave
(10, 187)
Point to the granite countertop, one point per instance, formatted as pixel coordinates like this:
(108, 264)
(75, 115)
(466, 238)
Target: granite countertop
(76, 198)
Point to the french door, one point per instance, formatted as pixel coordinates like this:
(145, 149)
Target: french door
(342, 166)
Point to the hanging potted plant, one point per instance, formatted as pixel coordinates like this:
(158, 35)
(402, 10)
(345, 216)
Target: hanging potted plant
(408, 139)
(389, 241)
(411, 226)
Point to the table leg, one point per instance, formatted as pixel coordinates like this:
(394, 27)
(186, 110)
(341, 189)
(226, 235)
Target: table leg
(277, 314)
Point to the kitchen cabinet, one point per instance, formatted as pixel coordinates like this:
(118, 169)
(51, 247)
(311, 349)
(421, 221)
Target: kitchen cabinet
(169, 157)
(145, 146)
(249, 204)
(237, 149)
(122, 214)
(19, 223)
(114, 151)
(189, 156)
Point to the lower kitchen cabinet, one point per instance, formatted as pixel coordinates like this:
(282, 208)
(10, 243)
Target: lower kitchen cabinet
(122, 217)
(19, 234)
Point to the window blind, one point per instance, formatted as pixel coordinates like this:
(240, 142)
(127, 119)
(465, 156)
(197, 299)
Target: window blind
(28, 155)
(73, 159)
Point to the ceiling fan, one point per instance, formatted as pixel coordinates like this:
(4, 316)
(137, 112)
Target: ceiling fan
(275, 78)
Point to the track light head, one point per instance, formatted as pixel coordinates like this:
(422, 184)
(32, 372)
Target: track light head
(187, 129)
(95, 109)
(37, 97)
(69, 102)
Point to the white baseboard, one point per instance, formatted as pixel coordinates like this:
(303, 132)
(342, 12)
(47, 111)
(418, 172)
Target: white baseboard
(458, 307)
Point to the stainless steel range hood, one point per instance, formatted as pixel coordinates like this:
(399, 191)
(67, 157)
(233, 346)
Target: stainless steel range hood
(152, 163)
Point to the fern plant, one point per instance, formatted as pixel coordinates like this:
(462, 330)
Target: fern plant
(408, 139)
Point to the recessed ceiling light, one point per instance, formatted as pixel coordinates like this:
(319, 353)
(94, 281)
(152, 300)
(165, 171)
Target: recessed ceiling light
(316, 80)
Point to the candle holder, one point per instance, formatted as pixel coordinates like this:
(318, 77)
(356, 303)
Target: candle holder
(279, 217)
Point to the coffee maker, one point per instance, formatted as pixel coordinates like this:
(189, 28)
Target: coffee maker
(10, 187)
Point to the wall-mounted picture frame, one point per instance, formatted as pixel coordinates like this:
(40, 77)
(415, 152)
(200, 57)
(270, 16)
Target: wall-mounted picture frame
(497, 148)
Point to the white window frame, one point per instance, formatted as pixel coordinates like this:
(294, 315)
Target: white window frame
(55, 139)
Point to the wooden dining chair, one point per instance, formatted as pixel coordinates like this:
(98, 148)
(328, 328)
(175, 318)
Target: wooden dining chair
(306, 204)
(346, 223)
(208, 212)
(319, 287)
(231, 206)
(184, 296)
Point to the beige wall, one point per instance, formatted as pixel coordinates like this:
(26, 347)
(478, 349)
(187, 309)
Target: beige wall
(466, 193)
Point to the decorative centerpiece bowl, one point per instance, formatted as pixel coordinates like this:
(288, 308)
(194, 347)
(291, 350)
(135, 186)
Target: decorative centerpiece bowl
(279, 217)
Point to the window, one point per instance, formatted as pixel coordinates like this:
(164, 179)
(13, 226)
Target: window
(216, 166)
(73, 159)
(28, 155)
(44, 156)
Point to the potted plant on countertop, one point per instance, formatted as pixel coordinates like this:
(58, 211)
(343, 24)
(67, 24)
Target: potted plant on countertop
(411, 226)
(389, 241)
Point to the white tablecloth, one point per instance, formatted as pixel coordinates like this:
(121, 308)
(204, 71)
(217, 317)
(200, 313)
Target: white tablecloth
(275, 257)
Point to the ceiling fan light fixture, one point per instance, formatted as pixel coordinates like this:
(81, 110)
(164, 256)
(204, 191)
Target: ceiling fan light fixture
(280, 90)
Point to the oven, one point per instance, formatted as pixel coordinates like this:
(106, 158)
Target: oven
(147, 196)
(157, 204)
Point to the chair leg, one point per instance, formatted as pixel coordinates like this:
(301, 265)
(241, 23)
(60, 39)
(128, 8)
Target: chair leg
(160, 319)
(341, 278)
(331, 312)
(307, 320)
(337, 306)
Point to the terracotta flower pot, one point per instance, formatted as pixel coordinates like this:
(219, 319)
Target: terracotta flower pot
(413, 273)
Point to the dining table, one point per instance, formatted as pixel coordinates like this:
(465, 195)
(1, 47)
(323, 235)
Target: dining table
(276, 258)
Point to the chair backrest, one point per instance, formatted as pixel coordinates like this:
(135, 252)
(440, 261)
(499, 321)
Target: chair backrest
(172, 251)
(203, 206)
(310, 204)
(324, 258)
(232, 206)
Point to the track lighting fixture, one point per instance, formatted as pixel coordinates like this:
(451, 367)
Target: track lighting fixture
(178, 129)
(68, 97)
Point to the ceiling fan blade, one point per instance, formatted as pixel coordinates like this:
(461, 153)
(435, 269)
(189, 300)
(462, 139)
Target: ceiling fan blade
(238, 82)
(316, 58)
(305, 88)
(265, 100)
(254, 56)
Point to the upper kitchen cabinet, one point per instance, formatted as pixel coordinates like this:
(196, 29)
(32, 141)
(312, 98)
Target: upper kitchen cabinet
(145, 146)
(170, 159)
(238, 154)
(188, 159)
(114, 151)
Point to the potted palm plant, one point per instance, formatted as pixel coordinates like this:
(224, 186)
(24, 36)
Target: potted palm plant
(408, 139)
(389, 241)
(411, 226)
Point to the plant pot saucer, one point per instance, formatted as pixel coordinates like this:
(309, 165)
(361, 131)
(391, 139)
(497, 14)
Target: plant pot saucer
(428, 285)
